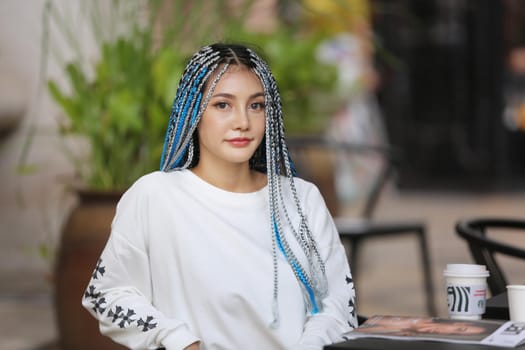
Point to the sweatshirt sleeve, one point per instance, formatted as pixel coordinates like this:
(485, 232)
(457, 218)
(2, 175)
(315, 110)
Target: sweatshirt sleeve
(339, 313)
(119, 292)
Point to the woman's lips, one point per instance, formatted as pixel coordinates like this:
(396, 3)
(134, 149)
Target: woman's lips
(239, 141)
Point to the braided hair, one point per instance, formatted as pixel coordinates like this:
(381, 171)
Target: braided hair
(202, 73)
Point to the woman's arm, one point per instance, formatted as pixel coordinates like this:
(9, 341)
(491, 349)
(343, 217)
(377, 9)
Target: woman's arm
(119, 293)
(339, 312)
(119, 297)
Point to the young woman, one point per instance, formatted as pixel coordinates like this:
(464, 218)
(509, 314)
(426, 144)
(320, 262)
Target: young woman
(223, 248)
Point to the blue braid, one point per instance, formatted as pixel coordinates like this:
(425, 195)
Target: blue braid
(182, 118)
(187, 105)
(196, 110)
(311, 294)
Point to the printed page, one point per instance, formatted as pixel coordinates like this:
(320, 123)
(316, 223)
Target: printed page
(510, 334)
(426, 328)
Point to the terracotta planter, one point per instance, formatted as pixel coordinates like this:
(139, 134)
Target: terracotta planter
(83, 238)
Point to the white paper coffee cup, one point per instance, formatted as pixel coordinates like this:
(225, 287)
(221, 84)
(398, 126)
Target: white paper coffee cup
(516, 299)
(466, 290)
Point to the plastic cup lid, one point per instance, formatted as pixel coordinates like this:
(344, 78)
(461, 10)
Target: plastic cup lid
(516, 286)
(466, 270)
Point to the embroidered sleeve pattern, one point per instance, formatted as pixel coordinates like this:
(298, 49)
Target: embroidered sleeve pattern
(123, 317)
(352, 322)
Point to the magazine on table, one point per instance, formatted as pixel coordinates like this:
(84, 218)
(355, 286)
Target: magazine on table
(488, 332)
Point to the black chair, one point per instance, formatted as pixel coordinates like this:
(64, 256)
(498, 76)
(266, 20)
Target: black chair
(479, 234)
(354, 230)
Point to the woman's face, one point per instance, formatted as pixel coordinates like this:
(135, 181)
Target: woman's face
(233, 123)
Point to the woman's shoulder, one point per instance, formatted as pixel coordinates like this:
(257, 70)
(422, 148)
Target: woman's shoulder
(303, 183)
(154, 176)
(150, 180)
(157, 181)
(304, 187)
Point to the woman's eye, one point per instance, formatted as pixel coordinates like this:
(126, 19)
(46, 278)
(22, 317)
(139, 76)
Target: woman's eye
(221, 105)
(257, 105)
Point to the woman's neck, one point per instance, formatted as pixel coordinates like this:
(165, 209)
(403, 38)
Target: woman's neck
(239, 179)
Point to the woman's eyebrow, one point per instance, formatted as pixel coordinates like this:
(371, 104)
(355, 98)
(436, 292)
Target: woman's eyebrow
(227, 95)
(223, 94)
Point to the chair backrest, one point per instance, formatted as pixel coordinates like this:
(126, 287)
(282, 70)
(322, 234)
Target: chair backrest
(316, 158)
(483, 246)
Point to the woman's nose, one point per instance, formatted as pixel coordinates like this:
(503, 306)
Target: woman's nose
(241, 120)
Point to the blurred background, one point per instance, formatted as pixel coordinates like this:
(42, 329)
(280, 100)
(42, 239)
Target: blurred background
(87, 88)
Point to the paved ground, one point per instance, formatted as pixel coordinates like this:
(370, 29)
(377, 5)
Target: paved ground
(390, 280)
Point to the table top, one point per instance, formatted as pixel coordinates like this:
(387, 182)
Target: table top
(391, 344)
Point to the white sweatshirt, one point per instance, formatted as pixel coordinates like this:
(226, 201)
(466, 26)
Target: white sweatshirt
(187, 261)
